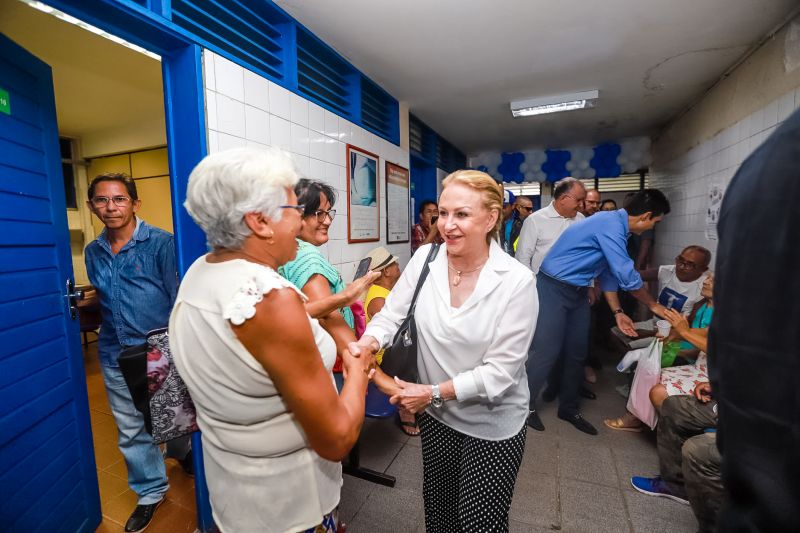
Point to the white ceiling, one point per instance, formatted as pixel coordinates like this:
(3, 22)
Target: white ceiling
(100, 86)
(458, 64)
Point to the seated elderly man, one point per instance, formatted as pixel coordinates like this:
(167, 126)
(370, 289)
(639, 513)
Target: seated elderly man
(679, 288)
(688, 456)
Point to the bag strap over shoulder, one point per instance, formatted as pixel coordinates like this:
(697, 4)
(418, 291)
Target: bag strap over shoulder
(424, 274)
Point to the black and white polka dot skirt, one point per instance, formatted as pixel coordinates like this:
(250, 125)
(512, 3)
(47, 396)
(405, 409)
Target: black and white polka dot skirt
(468, 482)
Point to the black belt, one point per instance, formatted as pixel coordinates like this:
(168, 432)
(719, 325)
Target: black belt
(563, 283)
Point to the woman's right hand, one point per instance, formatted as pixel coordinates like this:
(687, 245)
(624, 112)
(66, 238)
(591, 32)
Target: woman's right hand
(366, 345)
(677, 321)
(354, 364)
(354, 289)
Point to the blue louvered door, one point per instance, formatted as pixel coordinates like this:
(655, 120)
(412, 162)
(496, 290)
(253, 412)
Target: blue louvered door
(48, 480)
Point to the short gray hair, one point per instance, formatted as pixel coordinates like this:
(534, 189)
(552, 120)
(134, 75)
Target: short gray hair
(563, 186)
(227, 185)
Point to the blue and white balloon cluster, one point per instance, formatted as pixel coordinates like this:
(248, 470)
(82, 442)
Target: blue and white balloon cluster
(579, 164)
(634, 154)
(604, 160)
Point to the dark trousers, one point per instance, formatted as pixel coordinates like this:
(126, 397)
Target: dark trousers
(468, 483)
(689, 458)
(562, 333)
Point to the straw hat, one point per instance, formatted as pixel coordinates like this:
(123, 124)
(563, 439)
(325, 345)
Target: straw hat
(380, 258)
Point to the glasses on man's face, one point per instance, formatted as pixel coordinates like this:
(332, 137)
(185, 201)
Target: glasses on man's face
(577, 200)
(322, 215)
(685, 264)
(119, 201)
(526, 208)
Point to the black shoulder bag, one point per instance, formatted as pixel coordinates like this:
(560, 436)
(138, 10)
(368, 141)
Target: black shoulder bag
(400, 359)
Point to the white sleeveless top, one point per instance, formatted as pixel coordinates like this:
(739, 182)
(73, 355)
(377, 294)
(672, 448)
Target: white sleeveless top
(262, 476)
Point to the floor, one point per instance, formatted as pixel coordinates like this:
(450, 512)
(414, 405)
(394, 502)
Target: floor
(568, 481)
(117, 501)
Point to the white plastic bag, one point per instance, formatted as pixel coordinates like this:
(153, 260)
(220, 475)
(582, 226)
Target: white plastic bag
(632, 357)
(648, 374)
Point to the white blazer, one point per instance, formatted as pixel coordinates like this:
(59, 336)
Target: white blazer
(482, 345)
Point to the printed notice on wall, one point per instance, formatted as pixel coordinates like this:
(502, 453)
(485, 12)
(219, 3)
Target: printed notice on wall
(398, 212)
(363, 212)
(715, 193)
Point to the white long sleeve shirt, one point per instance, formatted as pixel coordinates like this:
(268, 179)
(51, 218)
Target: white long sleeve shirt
(482, 345)
(539, 233)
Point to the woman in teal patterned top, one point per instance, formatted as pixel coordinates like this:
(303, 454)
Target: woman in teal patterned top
(313, 274)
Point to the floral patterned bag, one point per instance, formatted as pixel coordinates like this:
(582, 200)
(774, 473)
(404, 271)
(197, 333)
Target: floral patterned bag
(172, 412)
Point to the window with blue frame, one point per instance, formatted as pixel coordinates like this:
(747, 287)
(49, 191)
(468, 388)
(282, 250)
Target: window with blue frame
(265, 39)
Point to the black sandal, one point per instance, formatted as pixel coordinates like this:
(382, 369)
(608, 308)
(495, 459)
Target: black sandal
(403, 424)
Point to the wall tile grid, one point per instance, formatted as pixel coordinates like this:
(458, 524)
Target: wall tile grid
(686, 180)
(244, 109)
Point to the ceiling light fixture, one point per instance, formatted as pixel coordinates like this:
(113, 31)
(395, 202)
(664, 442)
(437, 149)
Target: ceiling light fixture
(94, 29)
(554, 104)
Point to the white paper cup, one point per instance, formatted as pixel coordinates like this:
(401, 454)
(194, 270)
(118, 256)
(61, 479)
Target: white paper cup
(663, 328)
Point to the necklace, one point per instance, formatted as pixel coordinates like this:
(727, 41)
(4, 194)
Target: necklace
(457, 278)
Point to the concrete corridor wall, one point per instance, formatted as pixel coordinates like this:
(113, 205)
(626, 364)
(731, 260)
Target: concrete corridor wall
(704, 147)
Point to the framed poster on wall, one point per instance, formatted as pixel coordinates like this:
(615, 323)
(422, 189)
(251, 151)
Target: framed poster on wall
(363, 210)
(398, 204)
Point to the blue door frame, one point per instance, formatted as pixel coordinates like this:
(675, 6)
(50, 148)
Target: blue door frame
(186, 134)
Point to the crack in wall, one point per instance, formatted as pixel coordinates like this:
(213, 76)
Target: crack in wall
(651, 87)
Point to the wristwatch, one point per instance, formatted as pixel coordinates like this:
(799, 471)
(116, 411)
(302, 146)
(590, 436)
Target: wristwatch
(436, 397)
(618, 311)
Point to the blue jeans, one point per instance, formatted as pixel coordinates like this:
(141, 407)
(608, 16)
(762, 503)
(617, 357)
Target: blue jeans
(147, 475)
(562, 335)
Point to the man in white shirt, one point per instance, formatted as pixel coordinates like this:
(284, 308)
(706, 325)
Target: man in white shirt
(543, 228)
(539, 233)
(679, 287)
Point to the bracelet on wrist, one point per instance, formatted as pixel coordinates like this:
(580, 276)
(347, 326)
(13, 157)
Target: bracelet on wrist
(618, 311)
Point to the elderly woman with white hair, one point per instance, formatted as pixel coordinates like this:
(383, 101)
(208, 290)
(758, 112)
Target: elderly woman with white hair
(256, 364)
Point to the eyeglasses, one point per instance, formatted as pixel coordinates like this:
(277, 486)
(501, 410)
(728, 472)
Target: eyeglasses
(526, 208)
(322, 215)
(102, 201)
(578, 200)
(300, 208)
(680, 262)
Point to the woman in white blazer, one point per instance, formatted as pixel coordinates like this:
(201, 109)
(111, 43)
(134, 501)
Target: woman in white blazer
(475, 317)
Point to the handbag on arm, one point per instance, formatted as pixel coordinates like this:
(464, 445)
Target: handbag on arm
(400, 359)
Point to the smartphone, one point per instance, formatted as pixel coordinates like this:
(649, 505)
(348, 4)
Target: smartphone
(363, 268)
(434, 219)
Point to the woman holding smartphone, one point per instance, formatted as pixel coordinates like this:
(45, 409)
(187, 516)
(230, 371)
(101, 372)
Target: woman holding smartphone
(313, 274)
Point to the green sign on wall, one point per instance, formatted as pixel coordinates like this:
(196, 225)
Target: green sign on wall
(5, 102)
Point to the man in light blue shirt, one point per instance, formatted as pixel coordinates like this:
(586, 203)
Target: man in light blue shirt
(594, 248)
(132, 266)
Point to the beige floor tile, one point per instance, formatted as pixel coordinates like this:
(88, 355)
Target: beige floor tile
(106, 454)
(120, 507)
(111, 486)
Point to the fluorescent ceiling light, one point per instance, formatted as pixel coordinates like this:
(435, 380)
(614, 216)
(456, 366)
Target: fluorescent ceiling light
(553, 104)
(94, 29)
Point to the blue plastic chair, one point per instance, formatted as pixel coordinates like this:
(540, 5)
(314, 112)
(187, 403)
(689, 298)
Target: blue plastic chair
(377, 406)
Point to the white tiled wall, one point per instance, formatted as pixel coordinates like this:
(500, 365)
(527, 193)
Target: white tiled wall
(686, 180)
(244, 109)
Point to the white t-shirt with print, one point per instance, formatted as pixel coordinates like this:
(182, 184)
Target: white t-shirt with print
(676, 294)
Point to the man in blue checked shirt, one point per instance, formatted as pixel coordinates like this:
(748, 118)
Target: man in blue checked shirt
(594, 248)
(132, 266)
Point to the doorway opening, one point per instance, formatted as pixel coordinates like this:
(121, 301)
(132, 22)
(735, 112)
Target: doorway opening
(110, 111)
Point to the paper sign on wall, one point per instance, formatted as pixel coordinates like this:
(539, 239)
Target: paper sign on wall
(5, 102)
(715, 193)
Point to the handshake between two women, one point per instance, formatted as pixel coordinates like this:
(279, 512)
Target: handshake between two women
(360, 357)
